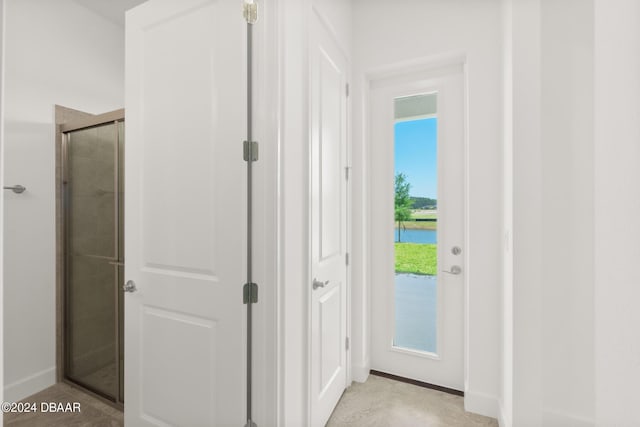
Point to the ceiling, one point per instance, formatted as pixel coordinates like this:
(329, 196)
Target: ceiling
(113, 10)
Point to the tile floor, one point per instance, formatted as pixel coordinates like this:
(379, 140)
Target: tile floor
(379, 402)
(103, 379)
(93, 412)
(382, 402)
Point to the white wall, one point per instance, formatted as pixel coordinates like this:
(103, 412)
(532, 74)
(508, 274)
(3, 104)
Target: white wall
(567, 212)
(553, 241)
(617, 209)
(505, 415)
(390, 32)
(526, 215)
(55, 53)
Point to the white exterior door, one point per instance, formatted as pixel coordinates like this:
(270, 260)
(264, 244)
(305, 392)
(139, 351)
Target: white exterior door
(328, 223)
(443, 364)
(184, 210)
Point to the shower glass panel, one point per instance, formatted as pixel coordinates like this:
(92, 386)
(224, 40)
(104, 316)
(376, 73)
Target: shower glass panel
(94, 259)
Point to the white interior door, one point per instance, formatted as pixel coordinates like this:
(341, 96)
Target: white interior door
(328, 223)
(429, 345)
(184, 209)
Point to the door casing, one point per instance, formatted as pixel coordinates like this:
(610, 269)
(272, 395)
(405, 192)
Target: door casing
(445, 367)
(394, 74)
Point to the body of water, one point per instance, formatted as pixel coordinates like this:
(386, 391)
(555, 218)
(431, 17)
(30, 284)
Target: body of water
(416, 312)
(416, 236)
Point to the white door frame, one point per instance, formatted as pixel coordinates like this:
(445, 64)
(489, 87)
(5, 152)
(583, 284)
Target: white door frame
(266, 170)
(394, 74)
(2, 65)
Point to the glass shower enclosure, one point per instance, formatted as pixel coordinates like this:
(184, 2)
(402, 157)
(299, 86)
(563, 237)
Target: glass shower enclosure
(93, 207)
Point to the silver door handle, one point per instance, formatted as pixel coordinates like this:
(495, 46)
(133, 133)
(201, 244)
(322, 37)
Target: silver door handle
(318, 284)
(16, 188)
(130, 286)
(455, 269)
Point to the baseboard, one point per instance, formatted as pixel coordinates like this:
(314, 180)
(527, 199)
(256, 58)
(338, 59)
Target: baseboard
(32, 384)
(503, 419)
(482, 404)
(552, 418)
(360, 372)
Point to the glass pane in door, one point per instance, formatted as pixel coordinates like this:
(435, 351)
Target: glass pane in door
(91, 257)
(416, 223)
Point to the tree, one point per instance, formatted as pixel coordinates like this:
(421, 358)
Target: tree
(403, 202)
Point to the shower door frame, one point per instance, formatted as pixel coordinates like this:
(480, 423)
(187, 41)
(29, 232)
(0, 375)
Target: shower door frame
(79, 121)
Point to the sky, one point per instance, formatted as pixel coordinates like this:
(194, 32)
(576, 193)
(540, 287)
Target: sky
(415, 155)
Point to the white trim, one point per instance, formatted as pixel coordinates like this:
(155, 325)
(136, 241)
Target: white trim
(482, 404)
(292, 214)
(467, 224)
(432, 65)
(418, 117)
(408, 72)
(551, 418)
(279, 290)
(267, 100)
(3, 395)
(30, 385)
(503, 419)
(361, 372)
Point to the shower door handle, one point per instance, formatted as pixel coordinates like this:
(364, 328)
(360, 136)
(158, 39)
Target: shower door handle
(130, 286)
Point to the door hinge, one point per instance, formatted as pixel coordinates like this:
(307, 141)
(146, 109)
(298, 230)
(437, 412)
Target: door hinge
(346, 172)
(346, 343)
(250, 11)
(250, 151)
(346, 258)
(250, 293)
(346, 90)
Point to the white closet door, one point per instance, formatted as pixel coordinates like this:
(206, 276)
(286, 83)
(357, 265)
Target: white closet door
(328, 223)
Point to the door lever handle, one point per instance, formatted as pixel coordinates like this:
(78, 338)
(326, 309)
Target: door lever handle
(15, 188)
(455, 270)
(318, 284)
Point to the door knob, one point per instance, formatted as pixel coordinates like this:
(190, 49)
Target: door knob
(318, 284)
(130, 286)
(455, 269)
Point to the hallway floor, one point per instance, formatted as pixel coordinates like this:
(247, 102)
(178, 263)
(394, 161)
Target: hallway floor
(93, 412)
(382, 402)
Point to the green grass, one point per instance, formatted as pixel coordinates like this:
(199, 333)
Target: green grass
(416, 258)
